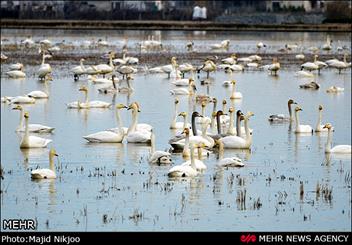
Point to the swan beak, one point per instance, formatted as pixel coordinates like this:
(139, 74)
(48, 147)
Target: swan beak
(56, 155)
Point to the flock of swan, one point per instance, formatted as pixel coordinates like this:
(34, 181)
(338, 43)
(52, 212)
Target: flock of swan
(222, 129)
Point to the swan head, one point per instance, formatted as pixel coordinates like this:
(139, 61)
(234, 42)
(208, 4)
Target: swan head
(204, 104)
(201, 145)
(328, 126)
(134, 106)
(84, 89)
(233, 56)
(196, 114)
(291, 101)
(182, 114)
(82, 60)
(214, 100)
(231, 110)
(249, 114)
(224, 102)
(233, 82)
(185, 131)
(52, 152)
(26, 115)
(298, 109)
(220, 113)
(18, 107)
(239, 113)
(191, 80)
(320, 107)
(121, 106)
(176, 101)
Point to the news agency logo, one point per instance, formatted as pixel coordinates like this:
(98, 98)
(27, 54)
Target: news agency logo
(248, 238)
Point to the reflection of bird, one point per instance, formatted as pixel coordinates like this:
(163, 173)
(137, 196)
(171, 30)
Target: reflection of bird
(45, 173)
(159, 157)
(334, 89)
(228, 161)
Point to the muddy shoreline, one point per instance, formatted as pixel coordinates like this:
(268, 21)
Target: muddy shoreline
(169, 25)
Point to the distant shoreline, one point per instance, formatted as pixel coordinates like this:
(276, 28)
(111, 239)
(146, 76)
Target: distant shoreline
(169, 25)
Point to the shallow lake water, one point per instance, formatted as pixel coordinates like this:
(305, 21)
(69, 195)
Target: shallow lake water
(112, 187)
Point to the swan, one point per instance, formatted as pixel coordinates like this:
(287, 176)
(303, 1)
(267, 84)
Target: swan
(320, 127)
(45, 173)
(28, 42)
(87, 104)
(109, 136)
(334, 89)
(255, 57)
(184, 68)
(301, 128)
(37, 94)
(184, 170)
(329, 62)
(230, 60)
(200, 166)
(282, 117)
(320, 64)
(45, 43)
(235, 95)
(274, 67)
(186, 149)
(157, 69)
(182, 82)
(92, 70)
(16, 74)
(236, 142)
(21, 100)
(30, 141)
(340, 65)
(224, 119)
(228, 161)
(179, 125)
(189, 46)
(158, 157)
(311, 85)
(208, 66)
(3, 57)
(252, 65)
(183, 91)
(200, 120)
(44, 68)
(126, 70)
(170, 68)
(32, 128)
(310, 66)
(223, 45)
(304, 74)
(104, 68)
(78, 70)
(327, 46)
(110, 89)
(260, 45)
(345, 149)
(16, 66)
(245, 59)
(143, 135)
(300, 56)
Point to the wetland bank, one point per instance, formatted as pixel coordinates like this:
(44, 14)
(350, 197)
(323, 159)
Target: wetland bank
(288, 183)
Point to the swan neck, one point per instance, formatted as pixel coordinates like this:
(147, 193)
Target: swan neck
(221, 150)
(238, 126)
(26, 132)
(297, 120)
(218, 124)
(43, 58)
(21, 120)
(51, 162)
(194, 129)
(184, 121)
(319, 118)
(231, 129)
(290, 111)
(248, 134)
(193, 164)
(134, 121)
(118, 120)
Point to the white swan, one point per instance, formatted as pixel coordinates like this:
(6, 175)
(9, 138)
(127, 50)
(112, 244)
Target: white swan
(234, 94)
(274, 67)
(208, 66)
(301, 128)
(158, 157)
(184, 170)
(44, 68)
(334, 89)
(178, 125)
(32, 128)
(45, 173)
(236, 142)
(170, 68)
(126, 70)
(138, 136)
(16, 74)
(223, 45)
(320, 127)
(320, 64)
(110, 89)
(186, 67)
(109, 136)
(37, 94)
(30, 141)
(345, 149)
(16, 66)
(186, 147)
(282, 117)
(327, 46)
(87, 104)
(199, 164)
(185, 91)
(340, 65)
(78, 70)
(21, 100)
(182, 82)
(230, 60)
(228, 161)
(310, 66)
(304, 74)
(104, 68)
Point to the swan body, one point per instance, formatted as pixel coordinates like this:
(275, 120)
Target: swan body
(45, 173)
(134, 136)
(234, 94)
(199, 164)
(79, 70)
(299, 127)
(334, 89)
(184, 170)
(274, 67)
(30, 141)
(16, 66)
(105, 137)
(230, 61)
(37, 94)
(44, 68)
(159, 157)
(21, 100)
(300, 57)
(339, 149)
(16, 74)
(310, 66)
(311, 85)
(87, 104)
(304, 74)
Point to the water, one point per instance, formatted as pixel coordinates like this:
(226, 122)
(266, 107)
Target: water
(88, 196)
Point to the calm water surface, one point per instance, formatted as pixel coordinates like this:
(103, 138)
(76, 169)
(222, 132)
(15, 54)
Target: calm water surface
(112, 187)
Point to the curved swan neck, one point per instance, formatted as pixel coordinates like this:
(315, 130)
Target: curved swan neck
(218, 123)
(319, 118)
(133, 126)
(328, 142)
(51, 162)
(193, 164)
(21, 119)
(152, 142)
(186, 147)
(26, 131)
(297, 119)
(223, 107)
(231, 129)
(185, 121)
(290, 111)
(173, 123)
(110, 61)
(43, 58)
(118, 119)
(248, 134)
(238, 126)
(194, 129)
